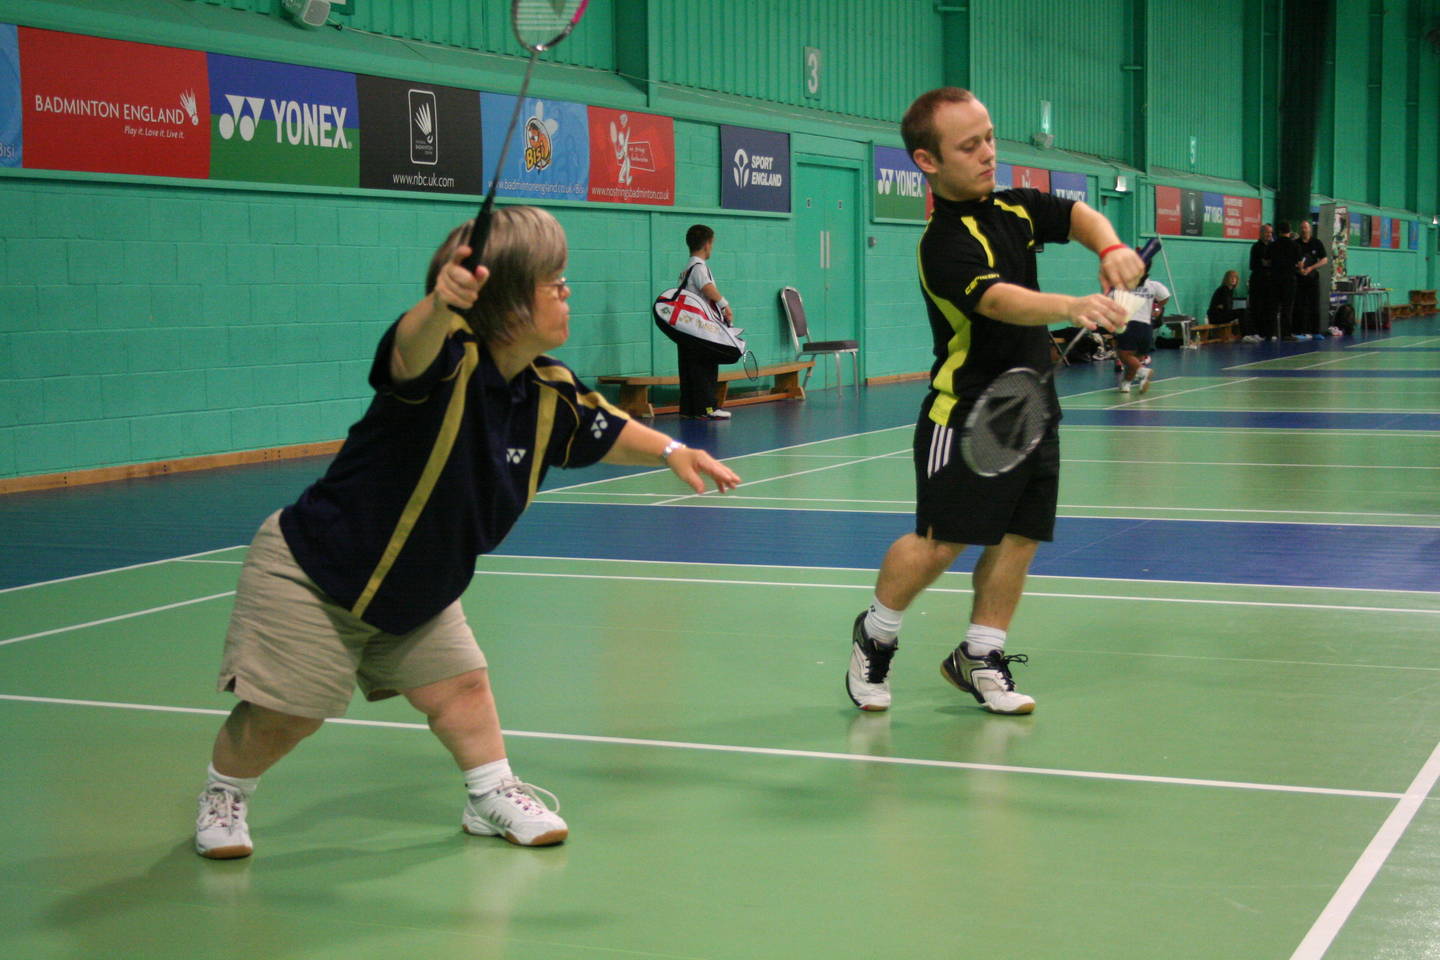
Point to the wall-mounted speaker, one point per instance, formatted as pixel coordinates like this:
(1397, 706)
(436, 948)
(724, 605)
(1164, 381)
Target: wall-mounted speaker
(307, 13)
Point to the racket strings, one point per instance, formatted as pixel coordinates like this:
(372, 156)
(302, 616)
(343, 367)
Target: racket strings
(540, 23)
(1007, 423)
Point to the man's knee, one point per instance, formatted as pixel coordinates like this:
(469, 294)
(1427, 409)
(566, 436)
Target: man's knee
(460, 692)
(276, 727)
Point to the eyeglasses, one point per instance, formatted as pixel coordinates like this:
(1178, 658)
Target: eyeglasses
(562, 286)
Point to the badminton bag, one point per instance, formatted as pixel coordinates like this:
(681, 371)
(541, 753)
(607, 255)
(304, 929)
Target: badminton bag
(690, 320)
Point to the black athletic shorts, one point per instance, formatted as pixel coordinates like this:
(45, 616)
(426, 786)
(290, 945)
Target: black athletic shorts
(1138, 338)
(955, 504)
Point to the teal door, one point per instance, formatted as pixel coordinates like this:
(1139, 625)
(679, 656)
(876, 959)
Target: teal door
(827, 237)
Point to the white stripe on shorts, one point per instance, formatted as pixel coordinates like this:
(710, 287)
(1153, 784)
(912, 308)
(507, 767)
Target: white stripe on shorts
(939, 450)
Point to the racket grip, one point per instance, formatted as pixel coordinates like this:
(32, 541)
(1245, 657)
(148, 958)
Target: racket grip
(479, 233)
(1147, 252)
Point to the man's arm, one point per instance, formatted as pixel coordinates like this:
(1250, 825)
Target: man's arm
(1119, 266)
(639, 445)
(712, 293)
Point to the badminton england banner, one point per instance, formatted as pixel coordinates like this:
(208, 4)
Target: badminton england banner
(419, 136)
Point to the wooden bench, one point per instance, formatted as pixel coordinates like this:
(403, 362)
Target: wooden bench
(1216, 332)
(635, 390)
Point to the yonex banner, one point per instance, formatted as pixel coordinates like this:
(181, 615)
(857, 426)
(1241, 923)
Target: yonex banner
(901, 192)
(10, 145)
(754, 169)
(1071, 186)
(111, 106)
(632, 157)
(419, 136)
(1212, 215)
(278, 123)
(549, 154)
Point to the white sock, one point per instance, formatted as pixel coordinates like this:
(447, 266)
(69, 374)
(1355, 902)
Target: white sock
(488, 776)
(979, 641)
(245, 785)
(881, 623)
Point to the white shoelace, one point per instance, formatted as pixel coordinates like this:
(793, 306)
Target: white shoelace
(222, 808)
(527, 797)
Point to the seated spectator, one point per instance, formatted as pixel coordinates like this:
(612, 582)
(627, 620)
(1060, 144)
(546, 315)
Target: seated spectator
(1222, 302)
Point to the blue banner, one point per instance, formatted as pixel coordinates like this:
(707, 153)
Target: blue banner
(10, 135)
(1004, 176)
(1071, 186)
(1414, 235)
(754, 169)
(549, 155)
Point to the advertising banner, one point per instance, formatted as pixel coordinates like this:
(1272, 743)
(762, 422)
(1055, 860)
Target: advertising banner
(1414, 235)
(1167, 211)
(1213, 214)
(754, 169)
(1376, 225)
(10, 145)
(1071, 186)
(632, 157)
(1359, 230)
(900, 189)
(419, 136)
(1192, 213)
(278, 123)
(1004, 176)
(549, 156)
(1031, 177)
(111, 106)
(1394, 234)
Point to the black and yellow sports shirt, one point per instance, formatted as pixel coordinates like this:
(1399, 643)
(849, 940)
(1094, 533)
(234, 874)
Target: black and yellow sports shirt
(968, 247)
(436, 473)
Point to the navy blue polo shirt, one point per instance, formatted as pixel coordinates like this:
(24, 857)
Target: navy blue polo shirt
(436, 473)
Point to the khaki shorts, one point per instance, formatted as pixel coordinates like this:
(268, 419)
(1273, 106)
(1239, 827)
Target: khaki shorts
(291, 648)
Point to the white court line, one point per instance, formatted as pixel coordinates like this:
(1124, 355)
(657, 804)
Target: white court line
(786, 476)
(961, 590)
(780, 752)
(133, 566)
(1251, 431)
(1033, 576)
(1287, 366)
(123, 616)
(1179, 393)
(1323, 932)
(793, 446)
(1239, 463)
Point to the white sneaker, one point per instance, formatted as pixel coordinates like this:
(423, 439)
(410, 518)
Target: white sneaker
(868, 679)
(714, 414)
(1123, 386)
(220, 829)
(987, 679)
(515, 811)
(1143, 378)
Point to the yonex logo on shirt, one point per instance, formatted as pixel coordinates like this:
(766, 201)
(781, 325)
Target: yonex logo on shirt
(515, 454)
(597, 429)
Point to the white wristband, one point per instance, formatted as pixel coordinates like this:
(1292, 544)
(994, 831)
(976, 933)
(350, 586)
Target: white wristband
(670, 448)
(722, 304)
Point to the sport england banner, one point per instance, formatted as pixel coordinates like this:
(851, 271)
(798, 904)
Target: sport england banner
(901, 192)
(278, 123)
(632, 157)
(1029, 177)
(419, 136)
(111, 106)
(549, 156)
(754, 169)
(10, 144)
(1071, 186)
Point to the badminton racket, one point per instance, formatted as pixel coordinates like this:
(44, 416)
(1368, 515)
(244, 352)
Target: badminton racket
(1012, 415)
(538, 25)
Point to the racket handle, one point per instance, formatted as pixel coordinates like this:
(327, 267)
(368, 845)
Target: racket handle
(1147, 252)
(479, 233)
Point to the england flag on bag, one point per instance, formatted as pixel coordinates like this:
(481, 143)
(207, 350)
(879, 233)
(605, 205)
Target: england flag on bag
(688, 318)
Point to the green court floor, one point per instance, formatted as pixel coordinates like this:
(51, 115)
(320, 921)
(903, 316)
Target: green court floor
(1215, 770)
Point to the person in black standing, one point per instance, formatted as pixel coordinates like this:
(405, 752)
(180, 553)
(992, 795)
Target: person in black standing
(1307, 288)
(1284, 275)
(1260, 310)
(698, 371)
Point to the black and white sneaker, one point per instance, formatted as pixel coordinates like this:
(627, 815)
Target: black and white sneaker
(867, 681)
(987, 679)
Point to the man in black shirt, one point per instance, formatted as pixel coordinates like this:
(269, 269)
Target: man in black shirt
(987, 314)
(1284, 274)
(1308, 309)
(1260, 310)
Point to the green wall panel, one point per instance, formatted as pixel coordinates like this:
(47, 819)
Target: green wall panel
(1197, 85)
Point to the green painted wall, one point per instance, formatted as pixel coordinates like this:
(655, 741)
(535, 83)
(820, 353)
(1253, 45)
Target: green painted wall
(145, 321)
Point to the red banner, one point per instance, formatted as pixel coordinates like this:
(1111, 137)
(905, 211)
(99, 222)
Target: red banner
(632, 157)
(1394, 234)
(1167, 211)
(1375, 231)
(112, 106)
(1242, 217)
(1032, 177)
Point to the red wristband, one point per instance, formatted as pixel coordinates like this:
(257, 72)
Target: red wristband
(1111, 249)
